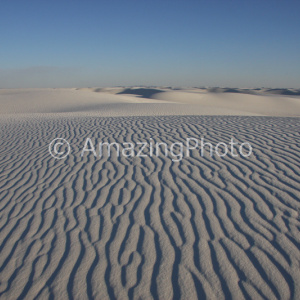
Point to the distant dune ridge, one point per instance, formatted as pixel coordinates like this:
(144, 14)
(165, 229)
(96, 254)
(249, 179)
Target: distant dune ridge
(146, 227)
(119, 101)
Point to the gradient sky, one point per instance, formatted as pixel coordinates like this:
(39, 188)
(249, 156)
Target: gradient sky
(73, 43)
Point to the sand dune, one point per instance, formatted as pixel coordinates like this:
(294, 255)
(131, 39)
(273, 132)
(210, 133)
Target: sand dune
(148, 227)
(131, 102)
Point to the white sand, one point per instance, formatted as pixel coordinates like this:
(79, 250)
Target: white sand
(149, 228)
(144, 102)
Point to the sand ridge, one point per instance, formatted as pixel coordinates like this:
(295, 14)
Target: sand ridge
(146, 101)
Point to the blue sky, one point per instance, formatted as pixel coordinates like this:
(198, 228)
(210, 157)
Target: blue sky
(148, 42)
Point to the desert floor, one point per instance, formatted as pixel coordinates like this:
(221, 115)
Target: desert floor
(110, 226)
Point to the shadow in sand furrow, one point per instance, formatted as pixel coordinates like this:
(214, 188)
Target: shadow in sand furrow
(155, 271)
(206, 219)
(199, 288)
(131, 221)
(284, 167)
(60, 264)
(90, 275)
(241, 194)
(139, 249)
(77, 263)
(285, 275)
(107, 275)
(241, 274)
(148, 190)
(49, 257)
(8, 258)
(217, 266)
(195, 246)
(179, 227)
(236, 224)
(29, 283)
(87, 226)
(293, 241)
(248, 220)
(18, 269)
(9, 235)
(41, 231)
(176, 249)
(263, 273)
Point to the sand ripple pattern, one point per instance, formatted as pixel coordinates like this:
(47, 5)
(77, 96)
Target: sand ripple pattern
(150, 228)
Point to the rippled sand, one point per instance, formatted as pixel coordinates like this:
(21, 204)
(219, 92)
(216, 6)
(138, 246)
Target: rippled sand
(147, 227)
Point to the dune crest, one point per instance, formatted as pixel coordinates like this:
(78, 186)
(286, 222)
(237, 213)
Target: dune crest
(140, 101)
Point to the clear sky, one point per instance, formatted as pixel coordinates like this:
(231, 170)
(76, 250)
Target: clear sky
(74, 43)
